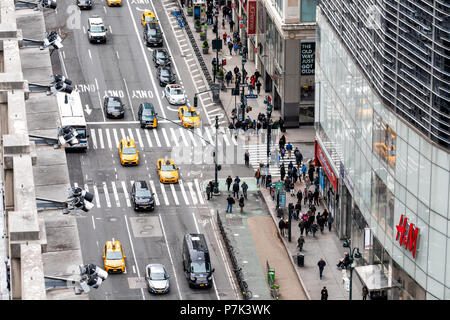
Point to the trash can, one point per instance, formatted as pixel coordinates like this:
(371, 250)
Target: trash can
(300, 259)
(215, 92)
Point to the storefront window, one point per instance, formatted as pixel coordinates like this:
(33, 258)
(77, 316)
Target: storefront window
(309, 10)
(383, 141)
(382, 204)
(408, 288)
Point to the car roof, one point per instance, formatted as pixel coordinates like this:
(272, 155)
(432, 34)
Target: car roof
(141, 185)
(109, 245)
(96, 20)
(161, 50)
(173, 86)
(156, 267)
(147, 105)
(112, 98)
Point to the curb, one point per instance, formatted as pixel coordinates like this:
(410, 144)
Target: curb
(285, 247)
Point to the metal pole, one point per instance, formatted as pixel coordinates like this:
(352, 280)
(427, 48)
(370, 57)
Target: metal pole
(216, 182)
(217, 48)
(351, 284)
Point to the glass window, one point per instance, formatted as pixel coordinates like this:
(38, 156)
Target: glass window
(412, 181)
(436, 255)
(308, 10)
(439, 189)
(424, 180)
(383, 138)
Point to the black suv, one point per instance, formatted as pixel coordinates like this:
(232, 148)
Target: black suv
(113, 107)
(161, 57)
(141, 196)
(153, 35)
(147, 115)
(165, 75)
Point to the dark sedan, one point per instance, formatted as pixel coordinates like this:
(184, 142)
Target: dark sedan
(114, 107)
(153, 35)
(84, 4)
(161, 57)
(165, 76)
(141, 196)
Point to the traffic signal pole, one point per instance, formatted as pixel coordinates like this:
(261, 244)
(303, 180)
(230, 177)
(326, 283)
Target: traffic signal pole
(216, 182)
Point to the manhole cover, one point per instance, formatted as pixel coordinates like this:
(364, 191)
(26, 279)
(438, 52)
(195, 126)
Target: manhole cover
(113, 219)
(147, 227)
(141, 220)
(234, 221)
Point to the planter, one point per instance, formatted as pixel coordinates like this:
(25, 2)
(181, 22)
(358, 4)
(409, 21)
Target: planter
(205, 50)
(198, 28)
(202, 36)
(219, 78)
(190, 11)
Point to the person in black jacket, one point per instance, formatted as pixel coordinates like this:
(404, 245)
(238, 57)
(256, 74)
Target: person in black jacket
(321, 264)
(228, 182)
(282, 171)
(241, 203)
(299, 195)
(236, 189)
(230, 202)
(282, 226)
(324, 294)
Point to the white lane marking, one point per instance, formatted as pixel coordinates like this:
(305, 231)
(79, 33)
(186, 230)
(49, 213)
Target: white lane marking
(225, 138)
(141, 143)
(116, 137)
(232, 137)
(100, 137)
(199, 132)
(213, 130)
(104, 8)
(116, 195)
(174, 137)
(108, 138)
(84, 30)
(130, 134)
(105, 190)
(209, 136)
(165, 137)
(180, 182)
(129, 99)
(199, 191)
(183, 136)
(90, 55)
(93, 222)
(214, 109)
(134, 254)
(125, 192)
(117, 54)
(174, 193)
(63, 64)
(134, 268)
(170, 255)
(148, 138)
(192, 138)
(191, 190)
(157, 138)
(94, 139)
(110, 29)
(163, 190)
(100, 100)
(147, 64)
(97, 197)
(152, 185)
(122, 132)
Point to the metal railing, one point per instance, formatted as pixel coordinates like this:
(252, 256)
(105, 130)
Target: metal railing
(246, 294)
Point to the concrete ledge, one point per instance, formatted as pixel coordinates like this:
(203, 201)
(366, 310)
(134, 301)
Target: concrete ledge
(24, 194)
(33, 285)
(23, 226)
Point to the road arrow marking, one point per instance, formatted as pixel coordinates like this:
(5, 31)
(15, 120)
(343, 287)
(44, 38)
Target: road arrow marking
(88, 110)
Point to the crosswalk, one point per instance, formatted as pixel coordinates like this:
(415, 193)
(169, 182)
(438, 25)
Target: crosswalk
(258, 154)
(117, 193)
(109, 138)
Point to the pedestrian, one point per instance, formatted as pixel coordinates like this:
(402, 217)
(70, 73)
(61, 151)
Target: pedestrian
(300, 242)
(330, 220)
(291, 188)
(244, 187)
(289, 149)
(258, 127)
(224, 37)
(290, 167)
(282, 226)
(281, 122)
(230, 47)
(223, 24)
(257, 74)
(228, 182)
(208, 191)
(320, 222)
(257, 176)
(236, 190)
(241, 203)
(302, 225)
(314, 228)
(311, 174)
(310, 198)
(282, 142)
(230, 202)
(305, 196)
(265, 172)
(258, 87)
(298, 208)
(247, 158)
(304, 171)
(231, 25)
(365, 292)
(321, 265)
(282, 153)
(236, 48)
(282, 171)
(324, 294)
(316, 197)
(229, 77)
(251, 87)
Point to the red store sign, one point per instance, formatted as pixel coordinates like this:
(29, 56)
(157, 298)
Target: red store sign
(326, 167)
(251, 17)
(407, 235)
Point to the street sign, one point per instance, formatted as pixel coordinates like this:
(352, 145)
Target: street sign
(251, 96)
(216, 44)
(282, 199)
(243, 84)
(234, 92)
(279, 185)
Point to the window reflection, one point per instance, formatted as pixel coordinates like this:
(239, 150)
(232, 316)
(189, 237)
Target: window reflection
(383, 141)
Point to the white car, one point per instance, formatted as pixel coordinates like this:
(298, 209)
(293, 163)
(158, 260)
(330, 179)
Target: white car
(175, 94)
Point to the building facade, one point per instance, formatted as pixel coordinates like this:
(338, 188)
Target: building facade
(382, 129)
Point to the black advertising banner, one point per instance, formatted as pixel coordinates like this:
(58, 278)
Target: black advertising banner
(307, 55)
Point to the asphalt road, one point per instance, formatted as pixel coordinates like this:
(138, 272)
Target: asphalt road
(123, 67)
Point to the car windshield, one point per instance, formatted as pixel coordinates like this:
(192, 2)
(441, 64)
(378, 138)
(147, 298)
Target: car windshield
(166, 73)
(143, 193)
(113, 255)
(161, 55)
(129, 151)
(154, 32)
(168, 167)
(114, 104)
(81, 133)
(157, 276)
(176, 91)
(198, 267)
(95, 28)
(150, 19)
(190, 114)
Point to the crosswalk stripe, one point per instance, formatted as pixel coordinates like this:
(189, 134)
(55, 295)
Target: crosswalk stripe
(116, 137)
(122, 132)
(199, 192)
(174, 136)
(138, 134)
(174, 193)
(184, 137)
(94, 139)
(157, 138)
(183, 192)
(152, 185)
(108, 138)
(105, 190)
(130, 134)
(165, 137)
(232, 136)
(163, 190)
(116, 195)
(192, 138)
(148, 138)
(199, 132)
(225, 138)
(97, 197)
(125, 192)
(209, 136)
(100, 137)
(191, 190)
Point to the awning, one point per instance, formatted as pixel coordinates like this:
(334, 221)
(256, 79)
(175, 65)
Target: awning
(374, 278)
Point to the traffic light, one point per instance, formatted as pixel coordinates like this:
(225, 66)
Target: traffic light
(195, 101)
(219, 167)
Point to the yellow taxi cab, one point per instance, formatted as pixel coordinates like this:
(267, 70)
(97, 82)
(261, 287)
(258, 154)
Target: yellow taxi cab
(385, 152)
(128, 152)
(115, 3)
(189, 117)
(148, 17)
(167, 170)
(113, 257)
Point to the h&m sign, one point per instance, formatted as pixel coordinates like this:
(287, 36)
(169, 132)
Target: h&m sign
(407, 235)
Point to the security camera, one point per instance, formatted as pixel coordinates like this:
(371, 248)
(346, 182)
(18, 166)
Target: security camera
(49, 4)
(52, 39)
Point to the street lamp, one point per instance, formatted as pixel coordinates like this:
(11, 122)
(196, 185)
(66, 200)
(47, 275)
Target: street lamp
(242, 84)
(348, 244)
